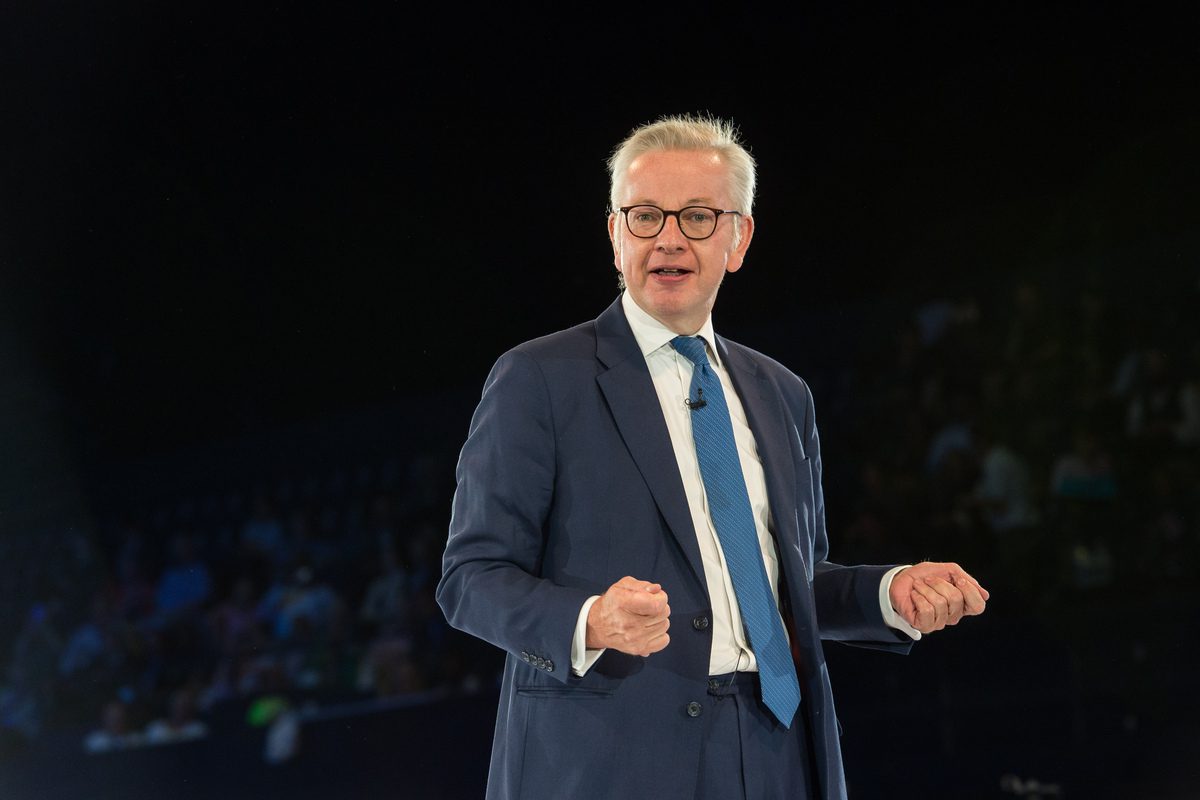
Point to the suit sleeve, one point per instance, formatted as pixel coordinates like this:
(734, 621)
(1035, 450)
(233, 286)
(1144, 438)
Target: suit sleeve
(847, 598)
(491, 586)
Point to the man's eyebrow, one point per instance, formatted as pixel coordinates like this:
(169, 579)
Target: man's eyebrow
(693, 201)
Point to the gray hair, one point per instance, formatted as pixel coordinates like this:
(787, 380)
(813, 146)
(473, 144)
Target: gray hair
(687, 132)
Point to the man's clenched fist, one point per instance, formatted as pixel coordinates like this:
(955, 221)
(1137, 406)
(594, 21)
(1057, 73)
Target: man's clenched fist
(632, 616)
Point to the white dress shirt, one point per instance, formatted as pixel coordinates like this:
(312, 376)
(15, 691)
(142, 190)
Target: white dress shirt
(672, 376)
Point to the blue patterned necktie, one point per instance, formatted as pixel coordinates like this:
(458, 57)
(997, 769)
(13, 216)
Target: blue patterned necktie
(729, 506)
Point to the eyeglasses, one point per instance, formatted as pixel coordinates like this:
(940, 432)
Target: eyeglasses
(696, 222)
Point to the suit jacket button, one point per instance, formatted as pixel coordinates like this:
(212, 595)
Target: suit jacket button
(549, 665)
(541, 662)
(694, 709)
(525, 656)
(700, 623)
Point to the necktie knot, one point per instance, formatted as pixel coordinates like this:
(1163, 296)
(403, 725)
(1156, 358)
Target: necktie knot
(692, 348)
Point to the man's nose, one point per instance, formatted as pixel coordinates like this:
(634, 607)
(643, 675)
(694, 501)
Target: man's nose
(671, 236)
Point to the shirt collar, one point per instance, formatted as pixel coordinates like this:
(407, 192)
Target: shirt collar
(652, 335)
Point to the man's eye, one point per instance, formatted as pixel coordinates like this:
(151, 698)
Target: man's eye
(700, 217)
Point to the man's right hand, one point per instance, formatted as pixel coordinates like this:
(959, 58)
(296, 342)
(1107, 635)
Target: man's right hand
(632, 616)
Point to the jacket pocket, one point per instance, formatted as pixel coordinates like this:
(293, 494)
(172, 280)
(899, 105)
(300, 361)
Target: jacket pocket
(575, 692)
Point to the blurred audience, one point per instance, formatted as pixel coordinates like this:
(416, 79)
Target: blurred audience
(1054, 447)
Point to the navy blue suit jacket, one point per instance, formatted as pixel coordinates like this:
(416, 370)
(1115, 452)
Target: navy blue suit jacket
(568, 482)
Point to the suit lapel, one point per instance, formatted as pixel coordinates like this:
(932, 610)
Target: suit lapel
(631, 398)
(772, 435)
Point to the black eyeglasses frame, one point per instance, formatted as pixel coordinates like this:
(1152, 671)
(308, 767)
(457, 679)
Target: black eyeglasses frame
(717, 212)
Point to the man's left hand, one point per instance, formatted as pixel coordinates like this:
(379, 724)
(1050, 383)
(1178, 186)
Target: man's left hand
(930, 596)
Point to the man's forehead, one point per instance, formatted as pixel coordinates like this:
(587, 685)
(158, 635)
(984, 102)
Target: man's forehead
(677, 160)
(699, 173)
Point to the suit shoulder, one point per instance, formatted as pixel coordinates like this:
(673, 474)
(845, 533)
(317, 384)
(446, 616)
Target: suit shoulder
(576, 341)
(774, 369)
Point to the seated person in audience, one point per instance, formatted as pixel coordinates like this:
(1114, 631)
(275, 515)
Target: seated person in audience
(180, 724)
(115, 732)
(1085, 472)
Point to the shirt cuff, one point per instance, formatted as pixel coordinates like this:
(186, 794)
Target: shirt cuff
(582, 659)
(890, 617)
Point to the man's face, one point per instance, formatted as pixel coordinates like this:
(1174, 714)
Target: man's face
(671, 277)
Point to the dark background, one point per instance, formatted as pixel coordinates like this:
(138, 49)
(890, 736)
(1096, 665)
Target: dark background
(256, 230)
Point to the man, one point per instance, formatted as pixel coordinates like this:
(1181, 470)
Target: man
(639, 523)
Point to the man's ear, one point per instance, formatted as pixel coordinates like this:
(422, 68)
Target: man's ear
(612, 238)
(615, 239)
(738, 254)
